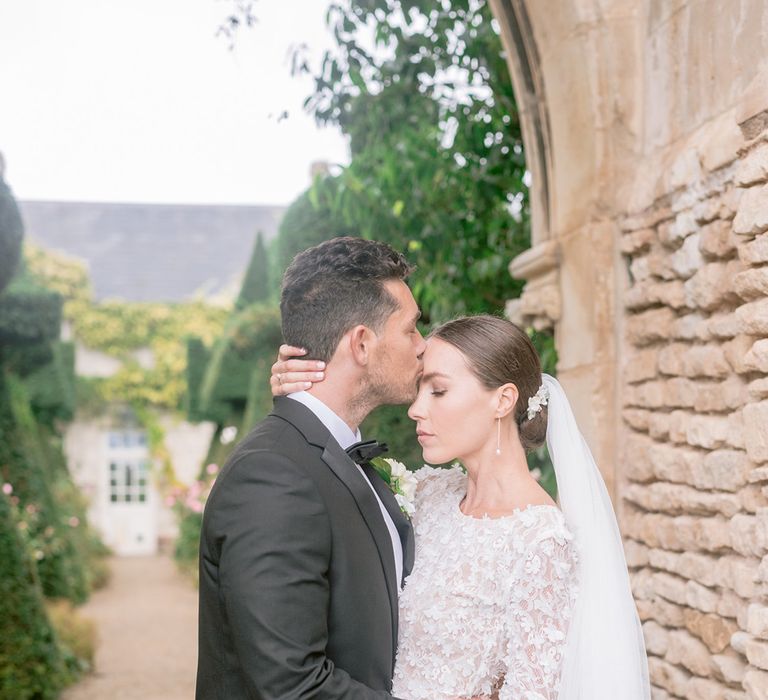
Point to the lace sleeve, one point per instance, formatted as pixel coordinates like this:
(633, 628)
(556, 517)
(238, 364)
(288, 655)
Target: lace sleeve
(539, 612)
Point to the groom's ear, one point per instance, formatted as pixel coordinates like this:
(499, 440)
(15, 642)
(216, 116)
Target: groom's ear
(507, 397)
(361, 343)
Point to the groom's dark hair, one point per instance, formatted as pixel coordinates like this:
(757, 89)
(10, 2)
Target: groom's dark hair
(335, 286)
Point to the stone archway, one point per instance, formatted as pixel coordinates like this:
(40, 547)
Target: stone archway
(646, 130)
(579, 122)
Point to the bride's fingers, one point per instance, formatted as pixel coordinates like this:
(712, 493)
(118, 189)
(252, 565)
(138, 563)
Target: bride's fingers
(300, 366)
(289, 374)
(286, 352)
(279, 389)
(283, 383)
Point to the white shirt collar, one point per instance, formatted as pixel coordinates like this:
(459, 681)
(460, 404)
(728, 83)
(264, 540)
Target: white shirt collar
(342, 433)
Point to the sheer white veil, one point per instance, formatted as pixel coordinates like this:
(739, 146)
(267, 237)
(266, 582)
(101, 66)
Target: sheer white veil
(604, 656)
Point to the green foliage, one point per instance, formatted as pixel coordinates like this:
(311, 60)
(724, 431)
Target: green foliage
(44, 489)
(121, 329)
(259, 402)
(307, 222)
(187, 547)
(11, 234)
(390, 424)
(52, 387)
(76, 635)
(29, 313)
(437, 170)
(46, 547)
(31, 665)
(188, 503)
(197, 360)
(256, 283)
(437, 164)
(251, 336)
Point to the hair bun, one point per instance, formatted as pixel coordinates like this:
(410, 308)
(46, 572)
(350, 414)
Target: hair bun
(533, 431)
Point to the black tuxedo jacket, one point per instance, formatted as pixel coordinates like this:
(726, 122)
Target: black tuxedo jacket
(298, 597)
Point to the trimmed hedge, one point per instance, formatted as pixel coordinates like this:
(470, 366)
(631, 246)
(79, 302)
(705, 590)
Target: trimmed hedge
(304, 225)
(11, 234)
(198, 357)
(31, 664)
(29, 314)
(51, 387)
(251, 337)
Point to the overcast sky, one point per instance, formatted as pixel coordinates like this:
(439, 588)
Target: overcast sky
(139, 101)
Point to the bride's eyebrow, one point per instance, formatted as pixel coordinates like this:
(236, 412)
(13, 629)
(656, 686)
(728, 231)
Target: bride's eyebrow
(432, 375)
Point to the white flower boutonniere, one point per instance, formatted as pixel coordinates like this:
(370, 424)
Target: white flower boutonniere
(402, 482)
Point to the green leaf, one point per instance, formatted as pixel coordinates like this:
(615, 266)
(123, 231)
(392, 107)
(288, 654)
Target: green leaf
(382, 469)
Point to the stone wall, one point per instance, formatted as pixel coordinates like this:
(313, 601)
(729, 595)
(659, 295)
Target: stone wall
(646, 127)
(695, 405)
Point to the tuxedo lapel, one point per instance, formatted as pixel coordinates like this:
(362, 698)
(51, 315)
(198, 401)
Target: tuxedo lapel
(401, 521)
(347, 472)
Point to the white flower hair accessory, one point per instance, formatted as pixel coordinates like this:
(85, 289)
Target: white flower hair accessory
(539, 399)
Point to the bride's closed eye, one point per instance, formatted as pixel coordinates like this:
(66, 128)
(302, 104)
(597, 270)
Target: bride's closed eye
(437, 392)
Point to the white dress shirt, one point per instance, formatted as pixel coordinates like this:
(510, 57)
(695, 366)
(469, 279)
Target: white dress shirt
(343, 434)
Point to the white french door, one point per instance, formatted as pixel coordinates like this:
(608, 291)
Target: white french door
(131, 523)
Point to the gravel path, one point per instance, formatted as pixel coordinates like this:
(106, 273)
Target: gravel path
(147, 634)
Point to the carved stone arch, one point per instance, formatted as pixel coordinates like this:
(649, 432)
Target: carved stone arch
(567, 61)
(525, 68)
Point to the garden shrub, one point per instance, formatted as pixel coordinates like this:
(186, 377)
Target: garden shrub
(76, 635)
(31, 663)
(26, 464)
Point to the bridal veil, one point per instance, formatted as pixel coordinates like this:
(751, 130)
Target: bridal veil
(604, 657)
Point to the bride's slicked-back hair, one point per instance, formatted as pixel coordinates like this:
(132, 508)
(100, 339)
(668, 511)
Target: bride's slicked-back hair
(335, 286)
(498, 352)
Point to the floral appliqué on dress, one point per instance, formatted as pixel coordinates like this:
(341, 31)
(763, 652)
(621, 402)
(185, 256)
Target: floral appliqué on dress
(488, 603)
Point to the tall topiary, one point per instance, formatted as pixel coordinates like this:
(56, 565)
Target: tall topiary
(11, 230)
(307, 222)
(256, 283)
(250, 338)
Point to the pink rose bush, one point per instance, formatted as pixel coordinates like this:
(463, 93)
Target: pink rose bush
(188, 502)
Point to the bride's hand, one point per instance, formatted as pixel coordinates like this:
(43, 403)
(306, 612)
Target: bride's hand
(290, 374)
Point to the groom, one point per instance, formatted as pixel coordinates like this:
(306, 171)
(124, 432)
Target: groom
(303, 551)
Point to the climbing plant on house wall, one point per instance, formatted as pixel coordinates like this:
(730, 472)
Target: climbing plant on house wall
(124, 329)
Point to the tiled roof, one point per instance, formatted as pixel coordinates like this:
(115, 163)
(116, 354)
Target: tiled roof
(153, 252)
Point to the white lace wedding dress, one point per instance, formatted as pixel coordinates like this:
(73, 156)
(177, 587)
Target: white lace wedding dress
(488, 602)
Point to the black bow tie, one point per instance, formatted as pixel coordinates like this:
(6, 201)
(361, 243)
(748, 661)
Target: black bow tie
(364, 452)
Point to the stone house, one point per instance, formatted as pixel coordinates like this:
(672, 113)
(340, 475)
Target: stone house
(646, 132)
(139, 252)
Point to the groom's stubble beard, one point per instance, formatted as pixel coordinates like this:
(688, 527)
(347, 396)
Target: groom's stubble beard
(381, 388)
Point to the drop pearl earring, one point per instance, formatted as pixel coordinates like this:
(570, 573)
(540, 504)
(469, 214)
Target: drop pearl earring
(498, 436)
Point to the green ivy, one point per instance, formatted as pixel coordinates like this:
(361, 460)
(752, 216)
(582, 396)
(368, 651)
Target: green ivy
(120, 329)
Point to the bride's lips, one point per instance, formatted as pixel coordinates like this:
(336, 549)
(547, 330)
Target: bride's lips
(423, 435)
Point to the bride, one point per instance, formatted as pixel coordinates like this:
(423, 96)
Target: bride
(511, 596)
